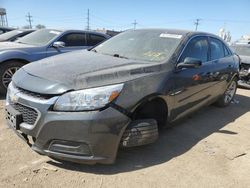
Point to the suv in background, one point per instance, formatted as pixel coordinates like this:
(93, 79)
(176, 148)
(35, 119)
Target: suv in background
(41, 44)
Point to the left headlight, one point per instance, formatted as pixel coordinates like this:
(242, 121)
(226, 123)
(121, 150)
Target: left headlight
(88, 99)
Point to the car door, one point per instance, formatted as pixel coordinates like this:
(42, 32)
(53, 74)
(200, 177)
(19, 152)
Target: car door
(72, 41)
(193, 85)
(94, 39)
(223, 61)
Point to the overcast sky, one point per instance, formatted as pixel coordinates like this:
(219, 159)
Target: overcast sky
(119, 15)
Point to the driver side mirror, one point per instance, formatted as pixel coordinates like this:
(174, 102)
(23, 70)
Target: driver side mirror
(189, 62)
(58, 44)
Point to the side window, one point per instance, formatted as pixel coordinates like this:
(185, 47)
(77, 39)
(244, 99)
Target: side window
(226, 51)
(196, 48)
(95, 39)
(217, 49)
(1, 31)
(74, 39)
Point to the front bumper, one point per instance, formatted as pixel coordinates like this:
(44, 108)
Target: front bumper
(83, 137)
(244, 81)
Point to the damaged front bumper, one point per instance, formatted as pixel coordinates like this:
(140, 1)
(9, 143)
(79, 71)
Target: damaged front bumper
(244, 80)
(82, 137)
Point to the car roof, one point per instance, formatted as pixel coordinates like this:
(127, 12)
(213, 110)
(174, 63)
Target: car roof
(6, 28)
(179, 31)
(79, 30)
(25, 29)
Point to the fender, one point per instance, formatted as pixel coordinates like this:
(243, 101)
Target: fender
(14, 54)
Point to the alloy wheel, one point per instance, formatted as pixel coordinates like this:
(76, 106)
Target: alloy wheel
(229, 94)
(7, 75)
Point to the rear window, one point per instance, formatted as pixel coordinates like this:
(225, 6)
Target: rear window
(95, 39)
(217, 49)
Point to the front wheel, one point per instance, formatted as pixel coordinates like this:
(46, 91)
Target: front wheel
(7, 70)
(229, 94)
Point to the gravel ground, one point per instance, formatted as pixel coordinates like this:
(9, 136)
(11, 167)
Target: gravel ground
(208, 149)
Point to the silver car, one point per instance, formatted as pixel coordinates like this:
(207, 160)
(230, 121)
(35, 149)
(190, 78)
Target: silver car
(41, 44)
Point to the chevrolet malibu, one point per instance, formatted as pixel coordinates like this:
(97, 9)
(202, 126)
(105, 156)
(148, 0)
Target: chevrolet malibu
(82, 106)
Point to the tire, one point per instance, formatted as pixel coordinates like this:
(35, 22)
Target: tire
(7, 70)
(140, 132)
(228, 95)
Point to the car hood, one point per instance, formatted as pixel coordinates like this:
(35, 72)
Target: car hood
(245, 59)
(80, 70)
(13, 45)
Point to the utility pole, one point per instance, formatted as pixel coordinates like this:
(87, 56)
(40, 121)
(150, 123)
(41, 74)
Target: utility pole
(197, 23)
(134, 23)
(88, 28)
(29, 20)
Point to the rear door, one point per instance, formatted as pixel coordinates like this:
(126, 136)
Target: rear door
(223, 61)
(94, 39)
(193, 85)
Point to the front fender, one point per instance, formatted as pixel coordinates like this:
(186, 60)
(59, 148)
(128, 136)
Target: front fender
(14, 54)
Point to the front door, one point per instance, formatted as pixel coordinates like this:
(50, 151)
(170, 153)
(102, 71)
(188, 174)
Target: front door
(193, 85)
(73, 41)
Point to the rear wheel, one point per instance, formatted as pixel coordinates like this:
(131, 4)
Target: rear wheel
(7, 70)
(229, 94)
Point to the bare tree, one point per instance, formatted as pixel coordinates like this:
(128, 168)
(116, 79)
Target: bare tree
(40, 26)
(26, 27)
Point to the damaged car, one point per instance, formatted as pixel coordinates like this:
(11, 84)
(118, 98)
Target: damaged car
(243, 50)
(82, 106)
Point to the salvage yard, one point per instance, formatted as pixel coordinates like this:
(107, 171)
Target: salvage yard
(208, 149)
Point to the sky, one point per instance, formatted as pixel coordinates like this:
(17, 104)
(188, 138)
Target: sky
(119, 15)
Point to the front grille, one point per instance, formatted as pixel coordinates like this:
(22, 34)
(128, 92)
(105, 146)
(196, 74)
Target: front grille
(33, 94)
(29, 114)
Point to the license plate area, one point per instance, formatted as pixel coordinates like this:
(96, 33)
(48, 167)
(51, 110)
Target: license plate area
(13, 117)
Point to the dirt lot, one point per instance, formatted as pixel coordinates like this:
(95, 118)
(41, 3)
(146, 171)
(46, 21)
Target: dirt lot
(208, 149)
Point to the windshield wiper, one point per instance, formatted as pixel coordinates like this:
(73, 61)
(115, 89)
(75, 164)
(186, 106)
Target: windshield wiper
(120, 56)
(20, 42)
(93, 50)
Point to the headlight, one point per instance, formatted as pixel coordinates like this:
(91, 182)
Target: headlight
(88, 99)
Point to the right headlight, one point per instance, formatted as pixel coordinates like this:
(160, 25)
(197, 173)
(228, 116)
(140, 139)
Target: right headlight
(88, 99)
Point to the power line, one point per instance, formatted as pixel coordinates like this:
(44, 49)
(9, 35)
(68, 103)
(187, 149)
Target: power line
(88, 20)
(135, 23)
(29, 20)
(197, 23)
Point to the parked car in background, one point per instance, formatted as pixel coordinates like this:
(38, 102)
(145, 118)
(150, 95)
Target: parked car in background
(5, 29)
(243, 50)
(15, 34)
(81, 106)
(41, 44)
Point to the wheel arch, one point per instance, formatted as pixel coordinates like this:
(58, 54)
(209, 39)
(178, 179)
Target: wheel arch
(24, 61)
(152, 106)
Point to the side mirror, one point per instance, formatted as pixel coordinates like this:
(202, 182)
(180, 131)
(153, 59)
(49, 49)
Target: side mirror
(58, 44)
(189, 62)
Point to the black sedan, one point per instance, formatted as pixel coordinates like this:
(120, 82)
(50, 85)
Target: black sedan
(81, 106)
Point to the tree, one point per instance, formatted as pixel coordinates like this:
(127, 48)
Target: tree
(39, 26)
(26, 27)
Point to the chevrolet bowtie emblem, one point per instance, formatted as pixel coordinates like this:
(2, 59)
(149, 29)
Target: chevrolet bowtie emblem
(14, 98)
